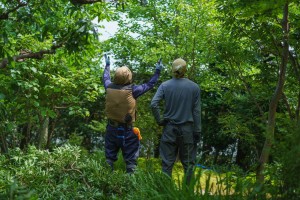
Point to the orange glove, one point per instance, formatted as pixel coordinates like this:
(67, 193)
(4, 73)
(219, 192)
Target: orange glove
(136, 131)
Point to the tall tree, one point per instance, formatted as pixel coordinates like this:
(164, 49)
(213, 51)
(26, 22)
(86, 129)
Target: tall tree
(49, 62)
(265, 25)
(276, 96)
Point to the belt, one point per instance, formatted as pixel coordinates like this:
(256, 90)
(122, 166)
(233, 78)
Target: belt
(118, 124)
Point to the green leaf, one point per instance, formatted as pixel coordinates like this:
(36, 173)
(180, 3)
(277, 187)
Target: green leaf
(33, 69)
(36, 103)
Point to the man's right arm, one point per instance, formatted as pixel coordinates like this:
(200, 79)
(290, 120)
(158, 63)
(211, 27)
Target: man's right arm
(155, 104)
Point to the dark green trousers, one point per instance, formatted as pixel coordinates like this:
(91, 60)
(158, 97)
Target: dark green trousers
(178, 140)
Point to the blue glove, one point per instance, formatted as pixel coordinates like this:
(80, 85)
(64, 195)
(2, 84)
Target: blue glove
(107, 59)
(159, 65)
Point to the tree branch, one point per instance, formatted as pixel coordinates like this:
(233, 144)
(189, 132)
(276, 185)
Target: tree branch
(4, 15)
(295, 65)
(34, 55)
(288, 107)
(76, 2)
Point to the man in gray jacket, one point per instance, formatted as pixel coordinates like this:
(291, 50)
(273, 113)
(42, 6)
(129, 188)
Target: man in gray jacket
(181, 119)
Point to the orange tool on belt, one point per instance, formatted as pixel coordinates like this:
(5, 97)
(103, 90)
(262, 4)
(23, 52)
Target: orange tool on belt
(136, 131)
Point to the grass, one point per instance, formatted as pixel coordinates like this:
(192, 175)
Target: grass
(206, 180)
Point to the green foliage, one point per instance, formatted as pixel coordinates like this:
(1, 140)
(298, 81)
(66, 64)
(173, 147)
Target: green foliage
(65, 173)
(14, 191)
(233, 49)
(47, 85)
(156, 186)
(289, 151)
(69, 173)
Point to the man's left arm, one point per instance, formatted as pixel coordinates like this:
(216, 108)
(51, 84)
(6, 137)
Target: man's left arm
(106, 73)
(197, 117)
(138, 90)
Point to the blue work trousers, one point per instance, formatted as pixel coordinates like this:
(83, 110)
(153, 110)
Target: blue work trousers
(123, 138)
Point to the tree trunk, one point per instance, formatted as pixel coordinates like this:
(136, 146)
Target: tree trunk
(242, 152)
(50, 134)
(216, 156)
(26, 130)
(4, 146)
(274, 101)
(298, 110)
(296, 67)
(43, 132)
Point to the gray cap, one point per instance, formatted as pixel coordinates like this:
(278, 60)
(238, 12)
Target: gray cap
(178, 68)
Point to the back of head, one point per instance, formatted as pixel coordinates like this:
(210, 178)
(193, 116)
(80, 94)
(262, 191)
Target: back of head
(178, 68)
(123, 76)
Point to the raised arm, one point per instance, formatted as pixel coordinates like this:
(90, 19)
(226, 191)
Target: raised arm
(106, 73)
(138, 90)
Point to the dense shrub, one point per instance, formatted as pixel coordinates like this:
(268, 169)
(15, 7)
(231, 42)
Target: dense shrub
(65, 173)
(68, 172)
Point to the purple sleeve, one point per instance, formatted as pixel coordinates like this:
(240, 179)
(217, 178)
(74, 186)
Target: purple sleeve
(106, 76)
(138, 90)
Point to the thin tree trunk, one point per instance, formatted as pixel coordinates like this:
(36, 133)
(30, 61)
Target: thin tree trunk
(298, 110)
(192, 71)
(288, 107)
(51, 132)
(26, 132)
(294, 61)
(274, 101)
(216, 157)
(4, 145)
(43, 132)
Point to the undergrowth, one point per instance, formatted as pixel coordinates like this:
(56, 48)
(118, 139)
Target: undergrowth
(69, 172)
